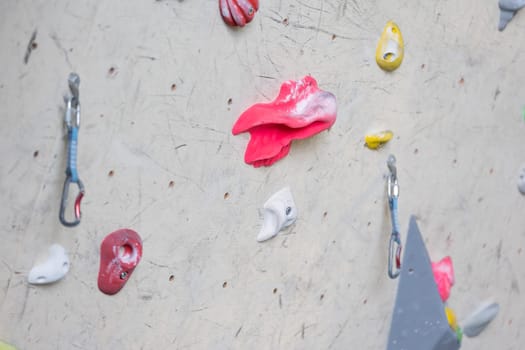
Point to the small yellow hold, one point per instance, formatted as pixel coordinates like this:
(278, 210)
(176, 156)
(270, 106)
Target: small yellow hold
(5, 346)
(374, 141)
(390, 48)
(451, 318)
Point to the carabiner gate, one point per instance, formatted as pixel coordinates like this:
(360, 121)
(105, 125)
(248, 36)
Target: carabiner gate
(394, 254)
(63, 202)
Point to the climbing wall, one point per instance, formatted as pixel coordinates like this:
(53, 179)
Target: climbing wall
(162, 83)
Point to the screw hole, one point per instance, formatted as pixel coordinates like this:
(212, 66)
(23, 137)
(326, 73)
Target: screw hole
(224, 284)
(111, 173)
(35, 154)
(389, 56)
(171, 278)
(173, 87)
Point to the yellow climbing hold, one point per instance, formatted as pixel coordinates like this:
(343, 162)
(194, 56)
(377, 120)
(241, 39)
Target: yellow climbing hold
(374, 141)
(390, 48)
(451, 318)
(5, 346)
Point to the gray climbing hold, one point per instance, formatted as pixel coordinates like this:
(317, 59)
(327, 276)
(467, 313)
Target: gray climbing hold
(508, 9)
(419, 321)
(476, 322)
(521, 181)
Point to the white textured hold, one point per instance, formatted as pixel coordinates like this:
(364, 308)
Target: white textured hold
(477, 321)
(53, 269)
(521, 181)
(279, 212)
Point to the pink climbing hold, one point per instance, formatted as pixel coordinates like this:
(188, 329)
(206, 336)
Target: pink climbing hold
(444, 276)
(300, 110)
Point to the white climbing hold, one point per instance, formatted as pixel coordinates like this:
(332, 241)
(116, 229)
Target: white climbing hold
(279, 212)
(521, 180)
(508, 9)
(476, 322)
(53, 269)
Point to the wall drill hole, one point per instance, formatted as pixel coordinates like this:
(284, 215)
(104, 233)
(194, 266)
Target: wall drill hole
(226, 195)
(172, 278)
(224, 284)
(173, 87)
(171, 184)
(35, 154)
(34, 45)
(410, 270)
(274, 290)
(230, 101)
(111, 173)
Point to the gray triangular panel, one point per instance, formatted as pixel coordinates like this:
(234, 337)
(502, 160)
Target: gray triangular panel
(419, 321)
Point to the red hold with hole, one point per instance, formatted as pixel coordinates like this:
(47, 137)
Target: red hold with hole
(238, 12)
(120, 253)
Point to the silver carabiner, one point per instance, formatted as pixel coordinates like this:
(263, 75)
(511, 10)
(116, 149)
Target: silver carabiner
(394, 247)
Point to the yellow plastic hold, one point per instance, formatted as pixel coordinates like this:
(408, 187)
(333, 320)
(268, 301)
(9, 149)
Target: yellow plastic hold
(374, 141)
(451, 317)
(5, 346)
(390, 48)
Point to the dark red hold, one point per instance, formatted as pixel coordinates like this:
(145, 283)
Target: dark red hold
(120, 253)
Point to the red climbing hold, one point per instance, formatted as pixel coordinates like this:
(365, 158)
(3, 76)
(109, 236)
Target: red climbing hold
(120, 253)
(444, 276)
(238, 12)
(300, 110)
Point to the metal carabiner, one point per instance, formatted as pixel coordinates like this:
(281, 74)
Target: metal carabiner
(72, 104)
(394, 249)
(63, 203)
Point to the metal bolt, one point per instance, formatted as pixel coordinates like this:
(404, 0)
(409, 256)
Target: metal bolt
(123, 275)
